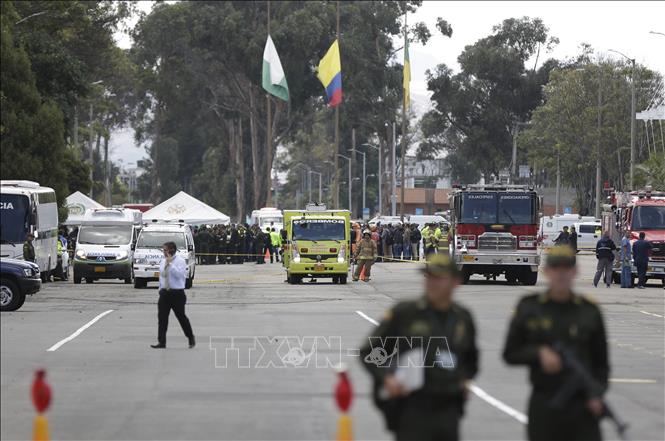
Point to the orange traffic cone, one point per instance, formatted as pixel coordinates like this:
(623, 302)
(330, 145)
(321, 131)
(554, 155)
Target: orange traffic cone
(41, 398)
(343, 397)
(362, 273)
(266, 257)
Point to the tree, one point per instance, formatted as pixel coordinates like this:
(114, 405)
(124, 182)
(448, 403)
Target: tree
(476, 110)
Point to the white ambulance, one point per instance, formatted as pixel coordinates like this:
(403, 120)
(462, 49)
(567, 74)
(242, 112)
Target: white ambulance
(148, 253)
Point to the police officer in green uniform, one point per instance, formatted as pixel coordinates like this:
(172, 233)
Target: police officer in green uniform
(445, 332)
(559, 317)
(29, 248)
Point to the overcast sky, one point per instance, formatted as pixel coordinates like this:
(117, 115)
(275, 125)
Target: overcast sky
(623, 26)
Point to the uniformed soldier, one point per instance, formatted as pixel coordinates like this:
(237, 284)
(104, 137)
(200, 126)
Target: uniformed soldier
(445, 332)
(559, 317)
(29, 248)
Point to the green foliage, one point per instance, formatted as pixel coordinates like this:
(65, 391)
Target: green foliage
(651, 172)
(475, 110)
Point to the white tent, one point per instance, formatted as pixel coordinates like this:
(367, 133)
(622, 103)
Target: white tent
(186, 208)
(76, 204)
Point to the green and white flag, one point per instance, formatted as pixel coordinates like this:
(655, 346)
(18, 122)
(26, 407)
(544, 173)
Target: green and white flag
(274, 81)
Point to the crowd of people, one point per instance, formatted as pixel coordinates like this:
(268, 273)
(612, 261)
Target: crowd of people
(236, 244)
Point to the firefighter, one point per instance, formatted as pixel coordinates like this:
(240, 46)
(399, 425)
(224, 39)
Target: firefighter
(444, 240)
(430, 238)
(365, 255)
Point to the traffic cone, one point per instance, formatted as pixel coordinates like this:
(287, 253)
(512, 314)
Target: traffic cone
(362, 273)
(344, 396)
(266, 256)
(41, 398)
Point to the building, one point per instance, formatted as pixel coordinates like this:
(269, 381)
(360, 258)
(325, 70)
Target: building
(424, 173)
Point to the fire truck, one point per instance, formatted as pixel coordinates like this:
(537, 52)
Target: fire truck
(635, 212)
(494, 231)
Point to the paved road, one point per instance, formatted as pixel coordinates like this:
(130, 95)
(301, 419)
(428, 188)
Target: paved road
(108, 384)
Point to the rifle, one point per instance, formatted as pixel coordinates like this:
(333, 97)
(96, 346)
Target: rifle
(582, 380)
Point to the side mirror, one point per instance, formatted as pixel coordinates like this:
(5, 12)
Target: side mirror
(190, 247)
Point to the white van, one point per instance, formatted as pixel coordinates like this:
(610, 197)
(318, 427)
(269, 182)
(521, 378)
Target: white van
(105, 244)
(421, 220)
(268, 217)
(27, 207)
(551, 226)
(148, 253)
(385, 220)
(588, 234)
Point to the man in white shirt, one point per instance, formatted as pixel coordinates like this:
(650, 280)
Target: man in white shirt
(172, 276)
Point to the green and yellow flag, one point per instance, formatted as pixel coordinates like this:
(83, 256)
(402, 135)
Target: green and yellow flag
(407, 75)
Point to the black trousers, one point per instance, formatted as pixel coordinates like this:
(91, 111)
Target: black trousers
(573, 423)
(642, 266)
(421, 421)
(172, 300)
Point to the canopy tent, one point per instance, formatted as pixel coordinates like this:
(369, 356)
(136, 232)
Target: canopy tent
(186, 208)
(76, 204)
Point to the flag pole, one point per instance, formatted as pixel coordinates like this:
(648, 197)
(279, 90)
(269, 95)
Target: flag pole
(403, 155)
(336, 151)
(269, 131)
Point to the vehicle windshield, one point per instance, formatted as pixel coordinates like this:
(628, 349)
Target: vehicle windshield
(647, 217)
(157, 239)
(15, 219)
(498, 208)
(267, 220)
(318, 229)
(105, 234)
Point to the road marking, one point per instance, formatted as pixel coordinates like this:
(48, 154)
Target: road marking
(632, 380)
(366, 317)
(476, 390)
(503, 407)
(78, 331)
(651, 313)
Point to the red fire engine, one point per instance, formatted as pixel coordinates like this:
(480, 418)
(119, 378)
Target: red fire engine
(636, 212)
(494, 231)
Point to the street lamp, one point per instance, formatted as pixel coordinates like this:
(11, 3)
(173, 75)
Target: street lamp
(632, 115)
(348, 159)
(364, 158)
(310, 182)
(380, 174)
(92, 159)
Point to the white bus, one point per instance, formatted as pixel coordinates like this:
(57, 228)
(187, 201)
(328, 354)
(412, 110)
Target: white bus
(268, 217)
(27, 207)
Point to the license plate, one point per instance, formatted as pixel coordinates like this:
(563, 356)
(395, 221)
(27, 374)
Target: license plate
(100, 269)
(318, 268)
(155, 274)
(467, 258)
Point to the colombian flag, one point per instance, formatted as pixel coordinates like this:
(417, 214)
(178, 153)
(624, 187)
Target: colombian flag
(330, 75)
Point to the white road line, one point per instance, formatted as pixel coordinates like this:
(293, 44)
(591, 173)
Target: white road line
(78, 331)
(366, 317)
(632, 380)
(477, 391)
(651, 313)
(503, 407)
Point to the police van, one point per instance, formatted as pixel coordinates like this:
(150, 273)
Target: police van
(148, 253)
(105, 244)
(27, 207)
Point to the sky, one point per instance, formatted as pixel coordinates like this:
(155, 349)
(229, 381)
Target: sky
(620, 25)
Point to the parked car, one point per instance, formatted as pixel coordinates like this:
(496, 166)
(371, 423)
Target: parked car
(18, 278)
(588, 234)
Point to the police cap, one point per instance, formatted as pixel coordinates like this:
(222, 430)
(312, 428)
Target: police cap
(441, 265)
(560, 256)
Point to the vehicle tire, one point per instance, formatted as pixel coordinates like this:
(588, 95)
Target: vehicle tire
(188, 282)
(12, 298)
(342, 280)
(466, 276)
(140, 283)
(529, 278)
(87, 280)
(77, 278)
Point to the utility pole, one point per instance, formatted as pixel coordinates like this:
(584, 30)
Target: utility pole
(348, 158)
(393, 194)
(598, 171)
(364, 174)
(558, 181)
(403, 155)
(91, 142)
(380, 173)
(353, 151)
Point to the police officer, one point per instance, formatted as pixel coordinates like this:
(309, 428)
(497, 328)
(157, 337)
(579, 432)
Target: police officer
(605, 254)
(446, 333)
(29, 248)
(559, 316)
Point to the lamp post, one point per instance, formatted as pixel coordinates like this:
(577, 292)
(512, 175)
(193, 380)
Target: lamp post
(348, 159)
(310, 183)
(380, 174)
(364, 172)
(632, 115)
(309, 180)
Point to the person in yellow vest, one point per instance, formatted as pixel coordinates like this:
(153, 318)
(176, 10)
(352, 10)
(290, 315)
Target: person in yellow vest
(276, 242)
(444, 240)
(430, 238)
